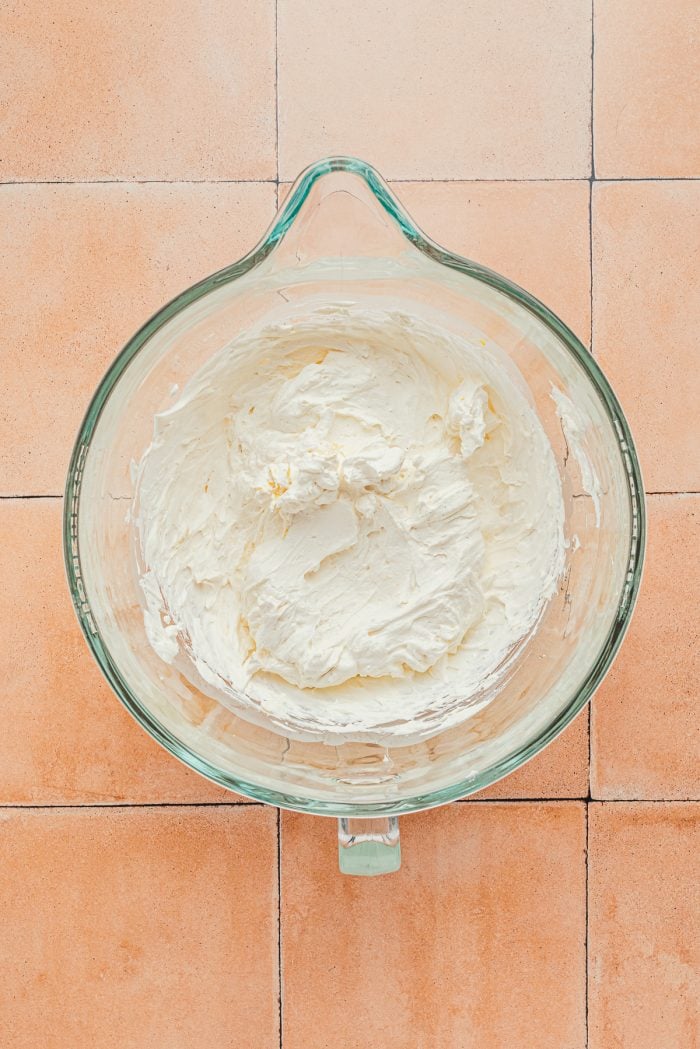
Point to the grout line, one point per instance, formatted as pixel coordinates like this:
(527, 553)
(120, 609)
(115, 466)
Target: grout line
(133, 805)
(279, 924)
(50, 496)
(492, 180)
(476, 181)
(644, 801)
(584, 799)
(586, 938)
(592, 87)
(63, 806)
(517, 801)
(277, 99)
(590, 744)
(590, 258)
(649, 178)
(272, 181)
(673, 493)
(139, 182)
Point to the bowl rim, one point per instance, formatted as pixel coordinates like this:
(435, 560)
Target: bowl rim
(275, 233)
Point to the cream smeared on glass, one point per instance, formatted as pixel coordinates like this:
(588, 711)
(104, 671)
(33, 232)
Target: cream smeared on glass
(347, 523)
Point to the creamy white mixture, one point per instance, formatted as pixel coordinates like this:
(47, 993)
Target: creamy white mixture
(347, 523)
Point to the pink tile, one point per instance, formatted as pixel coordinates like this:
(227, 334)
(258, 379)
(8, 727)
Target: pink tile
(82, 267)
(461, 91)
(536, 233)
(558, 771)
(647, 80)
(67, 738)
(477, 940)
(644, 926)
(134, 928)
(646, 316)
(645, 729)
(136, 91)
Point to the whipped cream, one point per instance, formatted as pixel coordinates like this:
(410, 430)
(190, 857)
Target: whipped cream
(347, 523)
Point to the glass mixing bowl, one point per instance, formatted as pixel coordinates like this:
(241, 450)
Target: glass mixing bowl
(341, 236)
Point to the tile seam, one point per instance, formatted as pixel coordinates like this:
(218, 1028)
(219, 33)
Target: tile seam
(141, 182)
(280, 983)
(517, 801)
(592, 88)
(590, 745)
(580, 799)
(273, 181)
(586, 931)
(645, 801)
(52, 806)
(590, 261)
(277, 99)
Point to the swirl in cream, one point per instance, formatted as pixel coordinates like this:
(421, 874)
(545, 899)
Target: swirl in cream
(347, 523)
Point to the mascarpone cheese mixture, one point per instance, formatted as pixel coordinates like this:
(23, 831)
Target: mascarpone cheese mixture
(347, 523)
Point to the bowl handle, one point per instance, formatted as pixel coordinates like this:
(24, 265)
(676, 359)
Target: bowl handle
(369, 846)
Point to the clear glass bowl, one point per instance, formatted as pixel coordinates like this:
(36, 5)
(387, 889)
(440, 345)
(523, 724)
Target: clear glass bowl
(341, 235)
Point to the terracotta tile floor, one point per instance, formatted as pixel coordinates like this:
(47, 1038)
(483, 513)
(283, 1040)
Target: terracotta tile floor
(109, 255)
(139, 927)
(480, 940)
(144, 146)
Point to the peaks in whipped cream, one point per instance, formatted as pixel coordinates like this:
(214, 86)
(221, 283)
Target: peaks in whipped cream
(347, 524)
